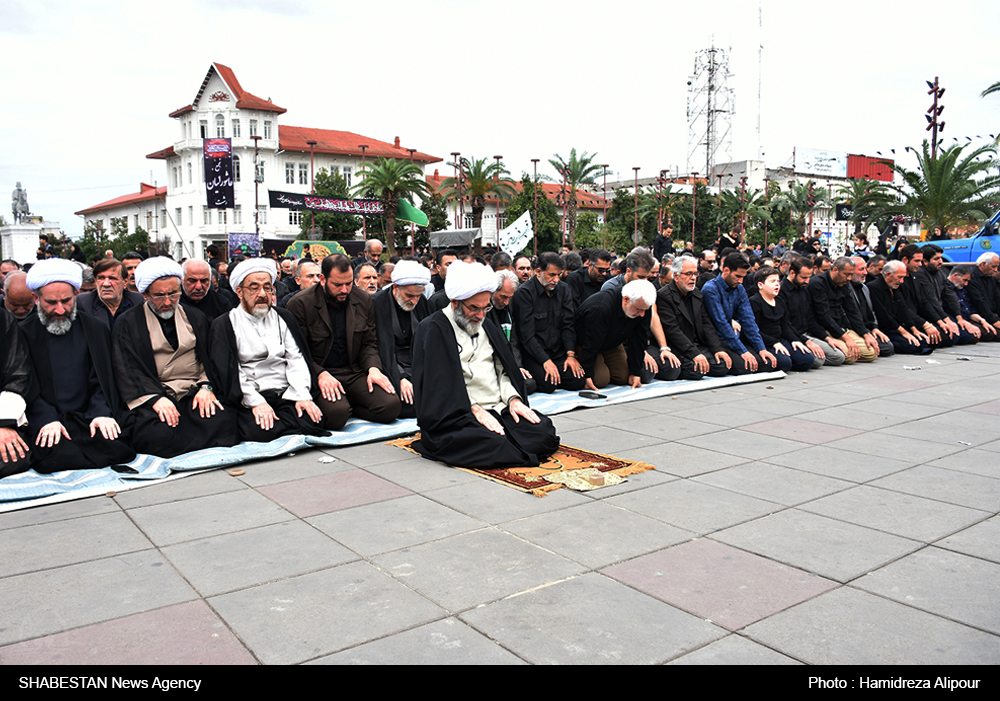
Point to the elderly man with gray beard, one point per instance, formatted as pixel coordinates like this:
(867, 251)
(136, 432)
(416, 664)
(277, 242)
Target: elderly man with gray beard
(259, 357)
(73, 405)
(160, 352)
(472, 407)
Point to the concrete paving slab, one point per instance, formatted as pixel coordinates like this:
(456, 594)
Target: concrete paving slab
(797, 429)
(847, 626)
(841, 464)
(952, 486)
(596, 534)
(734, 650)
(497, 503)
(981, 540)
(835, 549)
(59, 543)
(197, 485)
(445, 642)
(963, 428)
(186, 634)
(953, 585)
(418, 474)
(746, 444)
(727, 586)
(978, 461)
(201, 517)
(774, 483)
(475, 568)
(695, 507)
(591, 620)
(608, 440)
(246, 558)
(339, 490)
(681, 460)
(88, 592)
(313, 615)
(294, 466)
(901, 514)
(58, 512)
(390, 525)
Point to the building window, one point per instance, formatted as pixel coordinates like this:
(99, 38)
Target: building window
(289, 173)
(149, 220)
(223, 216)
(236, 169)
(220, 126)
(260, 172)
(206, 214)
(347, 175)
(262, 214)
(177, 180)
(203, 125)
(253, 127)
(267, 129)
(163, 219)
(190, 215)
(190, 173)
(237, 214)
(294, 217)
(468, 221)
(303, 174)
(135, 221)
(177, 216)
(236, 128)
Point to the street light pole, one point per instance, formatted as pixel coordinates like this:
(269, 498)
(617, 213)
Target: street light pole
(694, 202)
(256, 184)
(364, 220)
(534, 221)
(312, 184)
(635, 232)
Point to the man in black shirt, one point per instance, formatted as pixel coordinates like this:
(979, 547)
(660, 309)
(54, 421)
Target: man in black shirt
(612, 329)
(543, 316)
(589, 279)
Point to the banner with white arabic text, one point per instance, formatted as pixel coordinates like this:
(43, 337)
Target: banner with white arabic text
(314, 203)
(218, 157)
(512, 239)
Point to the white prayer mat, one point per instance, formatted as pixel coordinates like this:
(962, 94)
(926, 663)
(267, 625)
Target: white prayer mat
(30, 488)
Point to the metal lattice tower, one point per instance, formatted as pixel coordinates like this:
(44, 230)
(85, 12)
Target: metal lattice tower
(710, 110)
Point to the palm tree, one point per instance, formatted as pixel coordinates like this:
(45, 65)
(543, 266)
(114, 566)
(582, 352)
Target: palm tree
(945, 191)
(801, 200)
(992, 89)
(868, 198)
(389, 180)
(578, 170)
(479, 179)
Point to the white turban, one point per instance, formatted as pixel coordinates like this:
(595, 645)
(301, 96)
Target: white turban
(52, 270)
(467, 279)
(251, 266)
(152, 269)
(410, 272)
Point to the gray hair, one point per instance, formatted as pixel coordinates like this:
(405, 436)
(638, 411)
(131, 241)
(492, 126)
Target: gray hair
(986, 258)
(640, 289)
(506, 275)
(892, 267)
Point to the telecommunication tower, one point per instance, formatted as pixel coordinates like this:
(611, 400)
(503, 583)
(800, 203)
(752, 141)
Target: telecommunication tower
(710, 108)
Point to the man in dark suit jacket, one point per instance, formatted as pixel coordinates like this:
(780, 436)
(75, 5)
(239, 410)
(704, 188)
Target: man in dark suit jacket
(689, 331)
(110, 300)
(338, 321)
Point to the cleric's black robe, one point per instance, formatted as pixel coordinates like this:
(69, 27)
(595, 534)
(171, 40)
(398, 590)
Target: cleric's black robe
(97, 396)
(224, 358)
(386, 325)
(136, 377)
(212, 305)
(15, 377)
(448, 430)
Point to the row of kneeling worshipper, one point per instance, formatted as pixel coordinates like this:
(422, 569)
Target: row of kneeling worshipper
(166, 381)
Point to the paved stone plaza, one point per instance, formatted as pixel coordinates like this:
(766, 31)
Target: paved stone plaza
(847, 515)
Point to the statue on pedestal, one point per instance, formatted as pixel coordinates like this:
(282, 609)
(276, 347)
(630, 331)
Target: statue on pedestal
(19, 204)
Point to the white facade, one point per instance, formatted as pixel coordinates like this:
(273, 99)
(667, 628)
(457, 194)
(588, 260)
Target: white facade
(222, 109)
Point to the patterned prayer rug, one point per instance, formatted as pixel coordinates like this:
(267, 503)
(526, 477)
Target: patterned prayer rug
(560, 466)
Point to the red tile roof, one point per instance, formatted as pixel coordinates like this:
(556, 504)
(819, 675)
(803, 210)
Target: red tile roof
(344, 143)
(552, 191)
(244, 99)
(147, 193)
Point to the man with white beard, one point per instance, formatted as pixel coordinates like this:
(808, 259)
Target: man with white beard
(259, 356)
(73, 406)
(160, 351)
(472, 407)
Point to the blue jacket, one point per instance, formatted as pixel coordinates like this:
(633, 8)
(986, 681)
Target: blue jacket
(725, 303)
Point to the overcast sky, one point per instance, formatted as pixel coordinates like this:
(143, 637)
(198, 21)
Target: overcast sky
(87, 85)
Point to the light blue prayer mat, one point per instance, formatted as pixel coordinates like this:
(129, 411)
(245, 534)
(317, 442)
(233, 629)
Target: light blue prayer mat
(30, 488)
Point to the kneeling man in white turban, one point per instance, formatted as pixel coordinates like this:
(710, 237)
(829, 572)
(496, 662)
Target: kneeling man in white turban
(472, 407)
(259, 356)
(161, 356)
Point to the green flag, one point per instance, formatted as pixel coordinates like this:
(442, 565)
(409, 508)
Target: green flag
(407, 212)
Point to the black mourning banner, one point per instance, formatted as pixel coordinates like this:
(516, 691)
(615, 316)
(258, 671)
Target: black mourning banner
(314, 203)
(845, 211)
(219, 173)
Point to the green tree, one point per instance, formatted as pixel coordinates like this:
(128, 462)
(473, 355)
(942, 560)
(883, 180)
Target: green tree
(578, 170)
(479, 179)
(867, 198)
(93, 238)
(389, 180)
(949, 191)
(801, 200)
(436, 209)
(121, 241)
(329, 225)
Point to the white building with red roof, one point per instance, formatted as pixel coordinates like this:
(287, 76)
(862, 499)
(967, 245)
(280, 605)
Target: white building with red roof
(221, 108)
